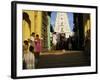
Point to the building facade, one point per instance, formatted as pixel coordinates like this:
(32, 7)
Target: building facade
(37, 22)
(82, 25)
(44, 31)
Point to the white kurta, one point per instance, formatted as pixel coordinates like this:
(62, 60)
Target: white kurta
(29, 60)
(54, 39)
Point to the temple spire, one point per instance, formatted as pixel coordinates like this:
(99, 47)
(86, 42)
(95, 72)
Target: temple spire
(62, 24)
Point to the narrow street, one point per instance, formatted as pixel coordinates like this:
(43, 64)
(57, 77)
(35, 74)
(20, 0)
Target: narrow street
(56, 59)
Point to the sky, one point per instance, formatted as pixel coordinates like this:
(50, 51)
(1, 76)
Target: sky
(70, 19)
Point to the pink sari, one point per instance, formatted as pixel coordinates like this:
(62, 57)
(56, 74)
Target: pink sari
(37, 45)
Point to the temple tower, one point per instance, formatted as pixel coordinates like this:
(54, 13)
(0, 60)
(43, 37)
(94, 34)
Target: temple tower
(62, 24)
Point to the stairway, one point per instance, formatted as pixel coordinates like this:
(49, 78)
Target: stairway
(66, 59)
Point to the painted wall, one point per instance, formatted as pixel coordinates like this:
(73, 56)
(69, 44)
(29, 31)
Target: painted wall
(36, 21)
(38, 24)
(25, 31)
(87, 23)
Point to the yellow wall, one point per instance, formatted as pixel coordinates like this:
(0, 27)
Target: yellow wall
(31, 17)
(25, 31)
(87, 24)
(36, 24)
